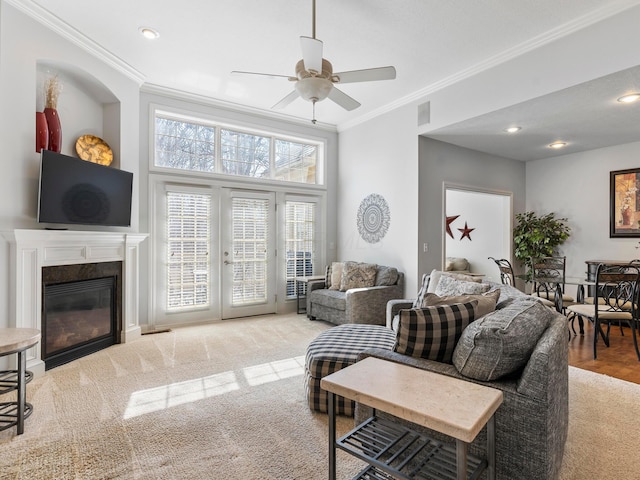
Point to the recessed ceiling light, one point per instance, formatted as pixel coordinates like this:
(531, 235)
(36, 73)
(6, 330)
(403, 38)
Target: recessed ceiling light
(149, 33)
(557, 144)
(512, 129)
(630, 98)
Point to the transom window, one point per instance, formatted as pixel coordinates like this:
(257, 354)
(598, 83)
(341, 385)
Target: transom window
(196, 145)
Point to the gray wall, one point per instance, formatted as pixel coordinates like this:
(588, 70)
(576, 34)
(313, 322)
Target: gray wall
(441, 162)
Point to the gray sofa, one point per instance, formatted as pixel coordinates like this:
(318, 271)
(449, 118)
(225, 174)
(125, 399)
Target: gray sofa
(532, 422)
(356, 305)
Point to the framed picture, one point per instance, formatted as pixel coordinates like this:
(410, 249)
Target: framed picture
(624, 204)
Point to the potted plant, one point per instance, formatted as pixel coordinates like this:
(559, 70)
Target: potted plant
(538, 236)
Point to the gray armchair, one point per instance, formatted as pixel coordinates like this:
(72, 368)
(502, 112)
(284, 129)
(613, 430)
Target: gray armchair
(356, 305)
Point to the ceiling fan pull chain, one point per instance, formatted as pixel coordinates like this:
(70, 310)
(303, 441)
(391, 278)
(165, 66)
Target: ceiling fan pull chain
(313, 120)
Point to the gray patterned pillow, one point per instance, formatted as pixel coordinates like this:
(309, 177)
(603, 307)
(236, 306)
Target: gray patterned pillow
(501, 342)
(386, 276)
(358, 275)
(449, 286)
(437, 274)
(433, 332)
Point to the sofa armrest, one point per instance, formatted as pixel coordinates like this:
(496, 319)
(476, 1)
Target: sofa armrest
(394, 307)
(368, 305)
(311, 286)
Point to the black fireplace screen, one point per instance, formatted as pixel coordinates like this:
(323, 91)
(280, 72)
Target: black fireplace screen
(78, 318)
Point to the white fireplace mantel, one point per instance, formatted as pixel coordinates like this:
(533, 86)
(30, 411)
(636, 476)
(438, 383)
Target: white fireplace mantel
(33, 249)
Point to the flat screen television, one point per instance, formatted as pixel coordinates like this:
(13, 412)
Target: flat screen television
(74, 191)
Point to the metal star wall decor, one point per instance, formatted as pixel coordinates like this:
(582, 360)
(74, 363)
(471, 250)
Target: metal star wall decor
(466, 231)
(449, 222)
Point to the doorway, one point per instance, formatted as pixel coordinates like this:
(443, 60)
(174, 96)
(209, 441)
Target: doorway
(486, 216)
(248, 253)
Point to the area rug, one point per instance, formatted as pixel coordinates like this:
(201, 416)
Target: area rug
(226, 401)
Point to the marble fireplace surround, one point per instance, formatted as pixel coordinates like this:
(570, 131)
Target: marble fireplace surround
(33, 249)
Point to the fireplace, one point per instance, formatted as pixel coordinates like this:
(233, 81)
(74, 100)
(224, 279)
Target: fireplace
(34, 252)
(81, 310)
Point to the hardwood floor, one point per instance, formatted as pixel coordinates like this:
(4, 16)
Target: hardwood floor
(618, 360)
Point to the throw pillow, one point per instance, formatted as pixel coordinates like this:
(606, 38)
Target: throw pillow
(357, 275)
(336, 275)
(424, 287)
(448, 286)
(501, 342)
(457, 264)
(437, 274)
(432, 332)
(327, 277)
(386, 276)
(486, 301)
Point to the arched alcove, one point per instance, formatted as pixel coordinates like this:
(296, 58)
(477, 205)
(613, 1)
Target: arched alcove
(85, 106)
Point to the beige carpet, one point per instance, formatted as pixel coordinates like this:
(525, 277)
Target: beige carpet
(226, 401)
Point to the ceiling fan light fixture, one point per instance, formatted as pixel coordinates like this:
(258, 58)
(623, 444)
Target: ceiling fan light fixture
(313, 89)
(629, 98)
(513, 129)
(557, 145)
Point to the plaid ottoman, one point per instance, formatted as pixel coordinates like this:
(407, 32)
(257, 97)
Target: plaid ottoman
(335, 349)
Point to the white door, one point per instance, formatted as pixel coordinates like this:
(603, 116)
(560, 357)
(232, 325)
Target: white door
(248, 253)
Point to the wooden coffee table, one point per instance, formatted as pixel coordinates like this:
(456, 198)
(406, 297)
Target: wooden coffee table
(454, 407)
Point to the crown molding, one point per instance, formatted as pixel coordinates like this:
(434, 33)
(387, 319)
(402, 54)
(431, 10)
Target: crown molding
(231, 106)
(604, 12)
(63, 29)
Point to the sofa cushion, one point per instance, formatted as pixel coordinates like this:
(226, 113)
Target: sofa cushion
(502, 341)
(449, 285)
(386, 276)
(486, 301)
(358, 275)
(435, 275)
(432, 332)
(329, 298)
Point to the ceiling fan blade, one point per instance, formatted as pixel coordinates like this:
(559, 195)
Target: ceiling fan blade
(272, 75)
(311, 53)
(366, 75)
(286, 100)
(342, 99)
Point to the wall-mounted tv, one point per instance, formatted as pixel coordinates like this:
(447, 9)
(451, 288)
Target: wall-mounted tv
(74, 191)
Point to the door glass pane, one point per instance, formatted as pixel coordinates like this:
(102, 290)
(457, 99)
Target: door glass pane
(188, 246)
(300, 242)
(250, 230)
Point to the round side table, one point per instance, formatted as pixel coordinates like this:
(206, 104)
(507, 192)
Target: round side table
(16, 340)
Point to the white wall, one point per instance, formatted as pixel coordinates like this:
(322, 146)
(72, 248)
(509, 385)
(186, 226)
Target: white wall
(577, 187)
(381, 156)
(25, 44)
(490, 217)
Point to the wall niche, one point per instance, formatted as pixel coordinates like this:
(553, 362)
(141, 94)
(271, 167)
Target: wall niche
(85, 106)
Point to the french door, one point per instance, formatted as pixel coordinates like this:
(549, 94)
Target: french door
(248, 272)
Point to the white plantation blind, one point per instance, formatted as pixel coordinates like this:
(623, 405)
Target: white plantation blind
(188, 250)
(300, 227)
(250, 227)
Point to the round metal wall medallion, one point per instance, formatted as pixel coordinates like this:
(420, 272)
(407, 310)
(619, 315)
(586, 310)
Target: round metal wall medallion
(374, 218)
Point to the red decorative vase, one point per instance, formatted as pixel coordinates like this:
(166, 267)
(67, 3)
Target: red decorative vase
(55, 129)
(42, 132)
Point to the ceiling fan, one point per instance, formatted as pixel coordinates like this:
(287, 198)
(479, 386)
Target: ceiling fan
(315, 80)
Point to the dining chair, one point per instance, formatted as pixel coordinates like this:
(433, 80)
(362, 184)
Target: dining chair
(507, 277)
(548, 275)
(617, 292)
